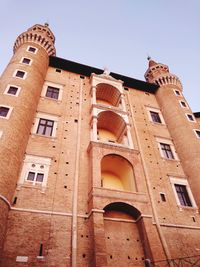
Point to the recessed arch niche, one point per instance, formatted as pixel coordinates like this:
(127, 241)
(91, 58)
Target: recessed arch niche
(107, 94)
(111, 127)
(117, 173)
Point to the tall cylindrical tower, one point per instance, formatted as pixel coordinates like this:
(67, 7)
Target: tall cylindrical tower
(180, 122)
(20, 88)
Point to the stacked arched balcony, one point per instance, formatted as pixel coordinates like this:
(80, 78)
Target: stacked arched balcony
(109, 122)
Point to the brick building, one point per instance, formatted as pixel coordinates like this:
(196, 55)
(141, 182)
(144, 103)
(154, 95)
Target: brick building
(97, 169)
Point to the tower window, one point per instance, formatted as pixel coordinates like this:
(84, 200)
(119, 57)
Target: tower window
(155, 116)
(26, 61)
(183, 104)
(12, 90)
(4, 111)
(182, 194)
(20, 74)
(190, 117)
(45, 127)
(197, 132)
(166, 151)
(32, 49)
(52, 92)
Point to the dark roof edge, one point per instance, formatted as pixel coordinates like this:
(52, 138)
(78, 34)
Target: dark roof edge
(85, 70)
(197, 114)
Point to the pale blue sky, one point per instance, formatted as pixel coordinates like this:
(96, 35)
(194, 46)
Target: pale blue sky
(118, 34)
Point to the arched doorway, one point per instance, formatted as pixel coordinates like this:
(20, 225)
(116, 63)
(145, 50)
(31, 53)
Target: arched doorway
(123, 242)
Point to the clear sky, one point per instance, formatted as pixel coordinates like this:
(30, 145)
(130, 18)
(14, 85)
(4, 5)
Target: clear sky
(118, 34)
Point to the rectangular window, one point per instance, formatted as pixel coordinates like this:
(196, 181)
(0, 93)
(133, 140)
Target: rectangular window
(20, 74)
(162, 196)
(45, 127)
(26, 61)
(32, 49)
(12, 90)
(182, 194)
(52, 92)
(155, 116)
(31, 176)
(35, 177)
(4, 111)
(166, 151)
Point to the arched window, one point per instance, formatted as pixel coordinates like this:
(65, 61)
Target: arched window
(117, 173)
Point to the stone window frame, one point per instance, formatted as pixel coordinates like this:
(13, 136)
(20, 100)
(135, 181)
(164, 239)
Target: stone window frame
(196, 134)
(182, 181)
(182, 106)
(167, 142)
(187, 116)
(1, 134)
(40, 115)
(28, 64)
(149, 109)
(9, 112)
(7, 88)
(56, 85)
(176, 90)
(34, 163)
(22, 78)
(36, 49)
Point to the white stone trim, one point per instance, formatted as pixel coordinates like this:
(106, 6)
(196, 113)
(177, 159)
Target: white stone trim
(168, 142)
(1, 133)
(56, 85)
(27, 167)
(36, 49)
(5, 200)
(15, 72)
(22, 259)
(40, 115)
(179, 226)
(7, 88)
(9, 112)
(180, 181)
